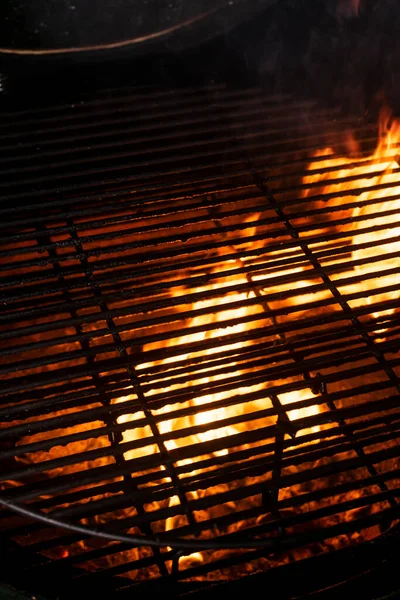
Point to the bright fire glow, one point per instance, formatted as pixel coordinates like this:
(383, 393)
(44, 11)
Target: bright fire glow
(209, 420)
(211, 413)
(342, 178)
(376, 226)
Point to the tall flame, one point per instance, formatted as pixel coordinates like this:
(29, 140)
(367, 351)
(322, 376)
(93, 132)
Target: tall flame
(371, 183)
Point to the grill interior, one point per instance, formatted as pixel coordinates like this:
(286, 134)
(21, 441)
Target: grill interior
(198, 342)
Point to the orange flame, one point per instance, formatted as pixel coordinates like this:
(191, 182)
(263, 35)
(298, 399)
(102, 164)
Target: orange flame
(374, 176)
(210, 420)
(208, 413)
(372, 183)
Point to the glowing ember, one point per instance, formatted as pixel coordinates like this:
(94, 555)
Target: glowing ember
(211, 398)
(208, 420)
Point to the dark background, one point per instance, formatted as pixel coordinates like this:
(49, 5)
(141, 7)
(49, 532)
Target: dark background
(311, 48)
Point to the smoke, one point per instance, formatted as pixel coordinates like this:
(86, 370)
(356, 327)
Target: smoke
(341, 52)
(348, 8)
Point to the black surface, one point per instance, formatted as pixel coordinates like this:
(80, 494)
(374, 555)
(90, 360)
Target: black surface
(355, 62)
(72, 26)
(305, 48)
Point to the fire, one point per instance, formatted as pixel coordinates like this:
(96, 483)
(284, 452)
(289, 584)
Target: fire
(372, 184)
(373, 219)
(210, 421)
(204, 405)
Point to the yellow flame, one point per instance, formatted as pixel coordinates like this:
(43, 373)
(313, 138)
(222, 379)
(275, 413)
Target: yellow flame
(374, 230)
(212, 418)
(342, 180)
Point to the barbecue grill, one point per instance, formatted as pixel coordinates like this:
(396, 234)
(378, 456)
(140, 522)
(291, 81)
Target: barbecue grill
(198, 346)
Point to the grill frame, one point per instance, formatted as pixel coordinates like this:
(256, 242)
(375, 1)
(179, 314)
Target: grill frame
(249, 165)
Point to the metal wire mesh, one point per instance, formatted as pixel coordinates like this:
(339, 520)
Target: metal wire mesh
(189, 353)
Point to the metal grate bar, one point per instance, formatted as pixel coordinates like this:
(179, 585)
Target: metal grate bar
(191, 349)
(151, 133)
(296, 500)
(291, 159)
(149, 417)
(166, 165)
(371, 345)
(153, 461)
(113, 436)
(124, 100)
